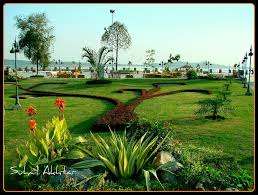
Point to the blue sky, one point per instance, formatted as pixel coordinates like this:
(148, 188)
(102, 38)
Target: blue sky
(220, 33)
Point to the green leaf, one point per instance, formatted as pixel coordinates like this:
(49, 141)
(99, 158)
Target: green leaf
(155, 175)
(45, 147)
(23, 161)
(147, 179)
(33, 150)
(87, 164)
(78, 139)
(109, 165)
(75, 154)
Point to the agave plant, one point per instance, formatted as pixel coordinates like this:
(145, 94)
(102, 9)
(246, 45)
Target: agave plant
(121, 157)
(98, 60)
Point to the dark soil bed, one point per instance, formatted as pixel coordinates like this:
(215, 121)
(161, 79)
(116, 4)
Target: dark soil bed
(93, 82)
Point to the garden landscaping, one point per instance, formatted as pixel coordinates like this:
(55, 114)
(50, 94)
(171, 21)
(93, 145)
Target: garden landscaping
(203, 154)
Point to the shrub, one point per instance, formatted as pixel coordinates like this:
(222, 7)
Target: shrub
(212, 168)
(129, 76)
(178, 73)
(64, 75)
(103, 81)
(152, 75)
(44, 144)
(214, 107)
(166, 75)
(48, 145)
(81, 76)
(122, 157)
(36, 76)
(10, 78)
(136, 129)
(125, 71)
(191, 74)
(217, 105)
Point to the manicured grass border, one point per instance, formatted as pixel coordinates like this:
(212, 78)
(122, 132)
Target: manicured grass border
(122, 113)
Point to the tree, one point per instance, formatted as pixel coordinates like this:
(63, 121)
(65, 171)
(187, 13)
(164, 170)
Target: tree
(215, 106)
(98, 60)
(149, 61)
(191, 74)
(35, 38)
(172, 59)
(116, 36)
(129, 64)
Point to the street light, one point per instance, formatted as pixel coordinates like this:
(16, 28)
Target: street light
(248, 92)
(112, 11)
(15, 50)
(245, 79)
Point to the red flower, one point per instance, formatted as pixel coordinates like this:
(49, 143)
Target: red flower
(32, 124)
(31, 111)
(60, 103)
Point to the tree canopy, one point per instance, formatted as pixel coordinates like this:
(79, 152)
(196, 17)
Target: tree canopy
(98, 60)
(35, 38)
(149, 61)
(116, 37)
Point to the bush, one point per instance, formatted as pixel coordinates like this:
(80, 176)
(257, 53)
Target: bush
(37, 76)
(176, 74)
(10, 78)
(122, 157)
(138, 128)
(215, 77)
(211, 168)
(217, 105)
(152, 75)
(129, 76)
(81, 76)
(64, 75)
(125, 71)
(166, 75)
(46, 146)
(191, 74)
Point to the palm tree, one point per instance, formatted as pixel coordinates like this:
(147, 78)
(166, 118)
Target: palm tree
(98, 60)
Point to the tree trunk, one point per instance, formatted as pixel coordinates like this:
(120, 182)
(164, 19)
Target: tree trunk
(215, 113)
(37, 67)
(116, 50)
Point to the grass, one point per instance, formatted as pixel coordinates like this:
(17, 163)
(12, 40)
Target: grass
(234, 136)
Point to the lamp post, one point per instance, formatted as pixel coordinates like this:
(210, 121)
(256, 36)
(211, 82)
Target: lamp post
(248, 92)
(245, 79)
(15, 50)
(243, 76)
(112, 11)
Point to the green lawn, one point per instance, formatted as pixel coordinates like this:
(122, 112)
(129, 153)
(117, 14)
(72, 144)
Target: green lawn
(234, 136)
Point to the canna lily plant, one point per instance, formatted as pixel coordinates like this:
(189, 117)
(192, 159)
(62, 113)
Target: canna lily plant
(50, 143)
(121, 157)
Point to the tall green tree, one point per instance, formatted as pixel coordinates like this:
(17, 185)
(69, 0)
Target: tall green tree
(117, 36)
(172, 58)
(98, 60)
(35, 38)
(149, 60)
